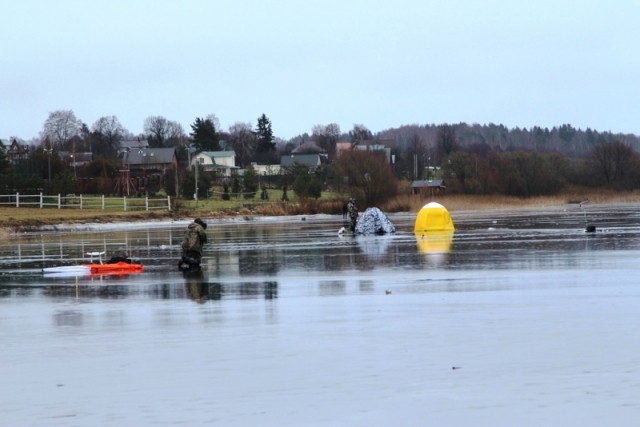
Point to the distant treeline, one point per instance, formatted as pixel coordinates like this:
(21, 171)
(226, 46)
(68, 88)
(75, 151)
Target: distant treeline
(564, 139)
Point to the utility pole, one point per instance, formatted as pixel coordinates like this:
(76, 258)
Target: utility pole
(126, 153)
(48, 151)
(73, 158)
(196, 195)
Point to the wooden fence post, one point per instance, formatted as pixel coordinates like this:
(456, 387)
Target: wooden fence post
(41, 200)
(125, 203)
(17, 200)
(59, 201)
(169, 203)
(81, 201)
(103, 202)
(146, 202)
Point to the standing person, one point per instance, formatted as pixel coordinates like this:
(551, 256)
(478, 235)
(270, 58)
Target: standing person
(194, 238)
(353, 214)
(345, 210)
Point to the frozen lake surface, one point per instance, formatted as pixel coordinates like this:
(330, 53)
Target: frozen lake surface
(525, 321)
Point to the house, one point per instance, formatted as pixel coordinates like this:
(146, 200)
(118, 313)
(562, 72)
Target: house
(267, 170)
(308, 147)
(134, 143)
(17, 150)
(342, 147)
(383, 146)
(75, 160)
(150, 161)
(312, 161)
(223, 144)
(221, 162)
(432, 187)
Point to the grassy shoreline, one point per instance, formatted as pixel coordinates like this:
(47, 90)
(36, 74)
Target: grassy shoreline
(31, 219)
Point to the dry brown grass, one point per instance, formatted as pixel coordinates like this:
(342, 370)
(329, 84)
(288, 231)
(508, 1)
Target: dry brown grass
(24, 219)
(303, 207)
(461, 202)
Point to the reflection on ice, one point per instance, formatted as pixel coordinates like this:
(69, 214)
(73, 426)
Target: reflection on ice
(434, 242)
(374, 246)
(435, 246)
(260, 248)
(332, 287)
(540, 316)
(196, 290)
(68, 318)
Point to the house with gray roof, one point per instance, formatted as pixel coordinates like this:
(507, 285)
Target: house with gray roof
(220, 162)
(312, 161)
(134, 143)
(150, 161)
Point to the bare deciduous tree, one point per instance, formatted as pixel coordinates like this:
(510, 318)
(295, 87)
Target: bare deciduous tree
(446, 141)
(610, 161)
(367, 174)
(214, 119)
(107, 132)
(415, 155)
(326, 136)
(243, 140)
(162, 132)
(360, 133)
(60, 127)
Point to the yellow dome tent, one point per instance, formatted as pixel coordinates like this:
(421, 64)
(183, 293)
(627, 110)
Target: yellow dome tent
(433, 217)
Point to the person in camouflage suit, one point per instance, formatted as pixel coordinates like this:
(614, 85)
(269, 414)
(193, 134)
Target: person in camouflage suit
(194, 238)
(353, 214)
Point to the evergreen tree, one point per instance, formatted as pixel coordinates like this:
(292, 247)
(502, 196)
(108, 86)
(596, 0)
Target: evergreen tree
(204, 134)
(9, 180)
(189, 185)
(66, 183)
(225, 194)
(5, 163)
(170, 182)
(265, 136)
(250, 183)
(305, 184)
(235, 184)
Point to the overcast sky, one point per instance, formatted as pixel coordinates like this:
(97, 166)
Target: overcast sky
(381, 63)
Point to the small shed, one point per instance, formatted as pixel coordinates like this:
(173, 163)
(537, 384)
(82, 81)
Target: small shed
(431, 187)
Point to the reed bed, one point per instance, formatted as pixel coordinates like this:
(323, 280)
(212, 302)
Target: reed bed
(462, 202)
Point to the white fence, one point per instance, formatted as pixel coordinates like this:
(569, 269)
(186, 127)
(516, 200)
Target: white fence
(83, 202)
